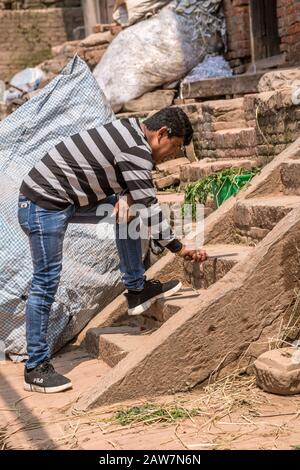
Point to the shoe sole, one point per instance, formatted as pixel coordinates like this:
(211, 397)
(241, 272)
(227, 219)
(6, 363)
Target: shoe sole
(37, 388)
(143, 307)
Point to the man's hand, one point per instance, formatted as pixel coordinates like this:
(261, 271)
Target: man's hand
(121, 209)
(196, 256)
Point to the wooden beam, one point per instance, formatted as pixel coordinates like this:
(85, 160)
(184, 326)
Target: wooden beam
(238, 84)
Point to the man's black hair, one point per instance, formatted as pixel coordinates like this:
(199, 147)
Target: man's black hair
(175, 119)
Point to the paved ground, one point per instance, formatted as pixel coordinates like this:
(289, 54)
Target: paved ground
(234, 416)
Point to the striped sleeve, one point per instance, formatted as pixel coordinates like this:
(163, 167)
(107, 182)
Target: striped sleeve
(135, 166)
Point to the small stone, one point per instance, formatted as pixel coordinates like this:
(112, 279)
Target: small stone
(97, 39)
(278, 371)
(167, 181)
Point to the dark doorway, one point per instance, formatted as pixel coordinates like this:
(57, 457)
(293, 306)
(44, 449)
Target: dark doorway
(265, 38)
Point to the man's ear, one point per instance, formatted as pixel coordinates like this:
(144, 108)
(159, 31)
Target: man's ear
(162, 132)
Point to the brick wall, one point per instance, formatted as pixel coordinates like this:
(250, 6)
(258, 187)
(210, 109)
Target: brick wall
(37, 4)
(238, 33)
(258, 125)
(26, 36)
(275, 119)
(288, 13)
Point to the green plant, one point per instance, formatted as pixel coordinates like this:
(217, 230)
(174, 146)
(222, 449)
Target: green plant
(152, 412)
(198, 192)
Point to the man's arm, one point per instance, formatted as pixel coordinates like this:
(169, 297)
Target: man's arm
(136, 169)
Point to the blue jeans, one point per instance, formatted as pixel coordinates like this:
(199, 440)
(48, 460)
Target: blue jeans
(46, 230)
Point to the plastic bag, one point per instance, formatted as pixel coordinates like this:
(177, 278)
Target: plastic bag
(159, 50)
(70, 103)
(27, 80)
(129, 12)
(210, 67)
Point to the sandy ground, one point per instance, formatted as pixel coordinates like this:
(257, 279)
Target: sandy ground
(232, 415)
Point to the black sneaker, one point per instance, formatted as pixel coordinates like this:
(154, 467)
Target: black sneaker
(140, 301)
(44, 379)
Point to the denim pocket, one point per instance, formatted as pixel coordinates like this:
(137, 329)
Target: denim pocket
(23, 213)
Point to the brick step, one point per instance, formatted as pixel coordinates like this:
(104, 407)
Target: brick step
(215, 267)
(234, 121)
(234, 138)
(166, 181)
(205, 151)
(220, 108)
(175, 201)
(163, 309)
(170, 198)
(254, 218)
(290, 177)
(112, 344)
(196, 170)
(171, 166)
(167, 173)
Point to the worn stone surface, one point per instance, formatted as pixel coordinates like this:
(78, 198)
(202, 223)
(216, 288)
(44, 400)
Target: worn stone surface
(290, 177)
(277, 79)
(224, 110)
(172, 166)
(170, 198)
(166, 268)
(217, 325)
(235, 138)
(167, 181)
(263, 213)
(112, 344)
(278, 371)
(96, 39)
(201, 277)
(214, 328)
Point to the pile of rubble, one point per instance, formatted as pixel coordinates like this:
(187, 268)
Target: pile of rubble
(90, 49)
(152, 75)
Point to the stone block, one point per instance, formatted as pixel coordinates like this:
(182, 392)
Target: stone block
(278, 371)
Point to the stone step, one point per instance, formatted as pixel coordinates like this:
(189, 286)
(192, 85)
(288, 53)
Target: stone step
(234, 120)
(255, 217)
(215, 267)
(167, 181)
(170, 198)
(290, 177)
(205, 150)
(112, 344)
(163, 309)
(219, 108)
(196, 170)
(234, 138)
(172, 166)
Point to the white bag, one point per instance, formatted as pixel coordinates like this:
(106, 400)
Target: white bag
(129, 12)
(159, 50)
